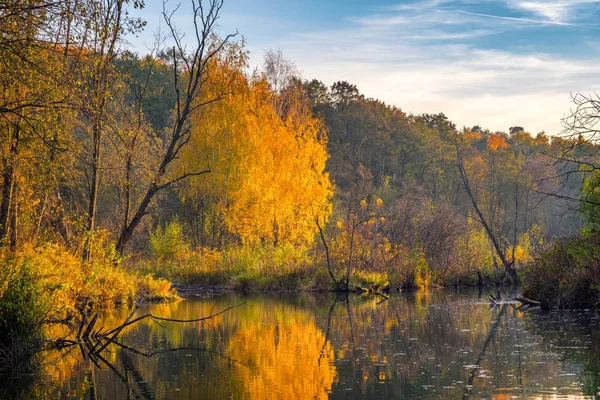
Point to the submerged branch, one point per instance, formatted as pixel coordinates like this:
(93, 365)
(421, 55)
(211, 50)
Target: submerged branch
(102, 340)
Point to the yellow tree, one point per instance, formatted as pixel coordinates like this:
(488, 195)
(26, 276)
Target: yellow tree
(268, 178)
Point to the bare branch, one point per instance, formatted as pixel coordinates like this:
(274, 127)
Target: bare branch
(182, 177)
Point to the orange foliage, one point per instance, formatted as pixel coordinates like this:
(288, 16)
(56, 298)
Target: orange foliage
(496, 142)
(292, 357)
(472, 136)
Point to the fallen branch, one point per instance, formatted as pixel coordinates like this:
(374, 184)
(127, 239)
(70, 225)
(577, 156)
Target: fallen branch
(527, 301)
(102, 340)
(154, 318)
(382, 295)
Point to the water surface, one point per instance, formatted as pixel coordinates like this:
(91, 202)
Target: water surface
(440, 344)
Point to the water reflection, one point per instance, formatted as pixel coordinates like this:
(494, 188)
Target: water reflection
(419, 345)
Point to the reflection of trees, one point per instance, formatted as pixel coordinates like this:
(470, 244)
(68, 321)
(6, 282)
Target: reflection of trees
(284, 351)
(417, 345)
(270, 345)
(575, 337)
(491, 335)
(424, 346)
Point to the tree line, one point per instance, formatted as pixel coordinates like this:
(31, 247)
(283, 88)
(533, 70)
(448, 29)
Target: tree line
(104, 147)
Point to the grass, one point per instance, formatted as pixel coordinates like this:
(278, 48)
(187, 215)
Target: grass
(269, 268)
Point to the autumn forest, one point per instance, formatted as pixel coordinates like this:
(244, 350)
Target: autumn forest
(126, 175)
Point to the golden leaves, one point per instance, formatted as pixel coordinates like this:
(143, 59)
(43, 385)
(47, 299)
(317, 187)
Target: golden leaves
(268, 173)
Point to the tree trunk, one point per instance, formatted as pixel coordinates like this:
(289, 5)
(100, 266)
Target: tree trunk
(127, 231)
(8, 188)
(5, 206)
(127, 189)
(12, 239)
(349, 268)
(91, 217)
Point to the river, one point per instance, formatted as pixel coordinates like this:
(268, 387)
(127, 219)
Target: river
(429, 345)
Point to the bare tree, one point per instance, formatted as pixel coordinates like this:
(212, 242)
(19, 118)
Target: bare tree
(107, 20)
(578, 160)
(281, 74)
(194, 66)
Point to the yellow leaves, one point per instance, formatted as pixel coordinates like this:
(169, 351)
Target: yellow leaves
(298, 347)
(363, 204)
(268, 175)
(379, 203)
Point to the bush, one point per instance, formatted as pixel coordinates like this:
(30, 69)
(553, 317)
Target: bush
(248, 281)
(567, 275)
(64, 285)
(370, 280)
(22, 310)
(154, 289)
(170, 243)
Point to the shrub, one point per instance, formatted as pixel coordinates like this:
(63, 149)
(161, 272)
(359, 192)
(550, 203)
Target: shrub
(170, 243)
(370, 280)
(22, 310)
(567, 275)
(154, 289)
(248, 281)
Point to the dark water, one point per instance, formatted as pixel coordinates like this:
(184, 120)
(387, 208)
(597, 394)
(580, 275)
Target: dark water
(440, 344)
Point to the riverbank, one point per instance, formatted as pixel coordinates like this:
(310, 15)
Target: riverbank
(282, 268)
(49, 283)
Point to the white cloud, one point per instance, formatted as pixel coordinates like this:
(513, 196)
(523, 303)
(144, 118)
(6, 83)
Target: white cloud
(427, 57)
(559, 11)
(516, 19)
(414, 61)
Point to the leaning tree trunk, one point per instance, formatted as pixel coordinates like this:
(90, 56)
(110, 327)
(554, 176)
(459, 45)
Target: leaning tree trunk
(508, 266)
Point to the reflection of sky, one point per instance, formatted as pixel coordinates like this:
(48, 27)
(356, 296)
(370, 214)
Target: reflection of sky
(495, 63)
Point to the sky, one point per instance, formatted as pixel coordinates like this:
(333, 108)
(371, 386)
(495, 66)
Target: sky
(493, 63)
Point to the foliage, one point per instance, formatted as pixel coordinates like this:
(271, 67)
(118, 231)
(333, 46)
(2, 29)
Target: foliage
(284, 267)
(168, 243)
(370, 280)
(590, 200)
(96, 142)
(23, 306)
(60, 286)
(268, 177)
(567, 274)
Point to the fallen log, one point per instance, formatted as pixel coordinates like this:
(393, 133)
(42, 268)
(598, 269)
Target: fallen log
(527, 301)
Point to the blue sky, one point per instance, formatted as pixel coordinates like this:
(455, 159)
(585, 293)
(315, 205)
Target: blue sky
(494, 63)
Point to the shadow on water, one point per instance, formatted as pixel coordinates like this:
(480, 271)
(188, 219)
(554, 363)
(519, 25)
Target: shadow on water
(447, 344)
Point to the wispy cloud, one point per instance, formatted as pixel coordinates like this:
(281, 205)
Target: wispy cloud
(452, 56)
(516, 19)
(557, 11)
